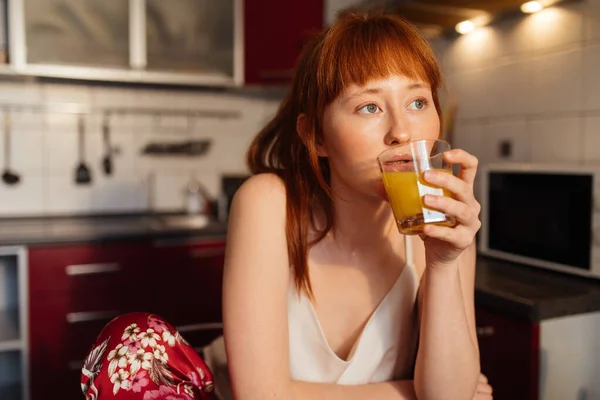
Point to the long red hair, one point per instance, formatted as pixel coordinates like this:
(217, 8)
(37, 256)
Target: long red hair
(359, 47)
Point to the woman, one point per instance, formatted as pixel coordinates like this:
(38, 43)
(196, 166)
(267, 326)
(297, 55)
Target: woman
(323, 297)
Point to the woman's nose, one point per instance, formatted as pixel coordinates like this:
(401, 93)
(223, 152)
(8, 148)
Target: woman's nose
(397, 133)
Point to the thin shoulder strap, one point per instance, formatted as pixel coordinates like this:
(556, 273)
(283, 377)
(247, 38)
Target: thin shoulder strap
(408, 248)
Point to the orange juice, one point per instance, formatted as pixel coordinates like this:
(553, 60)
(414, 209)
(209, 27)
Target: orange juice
(406, 192)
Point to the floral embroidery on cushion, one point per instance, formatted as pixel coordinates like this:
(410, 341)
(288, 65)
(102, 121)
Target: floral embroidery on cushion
(120, 381)
(117, 358)
(165, 393)
(139, 381)
(131, 332)
(149, 338)
(92, 367)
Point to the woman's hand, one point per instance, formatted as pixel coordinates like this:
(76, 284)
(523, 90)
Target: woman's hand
(484, 390)
(443, 244)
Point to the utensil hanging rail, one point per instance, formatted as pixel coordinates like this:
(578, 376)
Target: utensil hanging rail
(77, 108)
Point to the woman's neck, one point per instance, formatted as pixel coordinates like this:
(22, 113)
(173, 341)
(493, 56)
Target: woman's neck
(360, 222)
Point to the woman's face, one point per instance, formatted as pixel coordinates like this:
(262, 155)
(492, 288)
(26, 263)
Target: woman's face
(366, 120)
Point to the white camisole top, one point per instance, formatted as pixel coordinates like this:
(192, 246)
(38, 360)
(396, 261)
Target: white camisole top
(385, 350)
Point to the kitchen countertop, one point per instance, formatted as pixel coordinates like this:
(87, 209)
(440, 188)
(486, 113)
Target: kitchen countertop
(531, 293)
(30, 231)
(511, 289)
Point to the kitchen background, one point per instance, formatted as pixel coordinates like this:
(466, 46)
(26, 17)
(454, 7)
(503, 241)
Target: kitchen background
(519, 88)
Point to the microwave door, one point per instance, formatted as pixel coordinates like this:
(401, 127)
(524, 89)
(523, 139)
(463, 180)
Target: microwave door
(541, 216)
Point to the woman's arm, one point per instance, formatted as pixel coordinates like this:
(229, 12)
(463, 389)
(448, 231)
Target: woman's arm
(255, 290)
(448, 358)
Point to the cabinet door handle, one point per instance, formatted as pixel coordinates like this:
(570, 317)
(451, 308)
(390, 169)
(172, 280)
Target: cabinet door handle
(485, 331)
(202, 253)
(199, 327)
(91, 316)
(88, 269)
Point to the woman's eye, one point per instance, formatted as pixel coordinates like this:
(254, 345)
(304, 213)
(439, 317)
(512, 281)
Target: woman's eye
(418, 104)
(369, 109)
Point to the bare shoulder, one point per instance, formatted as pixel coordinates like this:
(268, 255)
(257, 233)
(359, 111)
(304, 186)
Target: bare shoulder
(257, 220)
(255, 286)
(268, 184)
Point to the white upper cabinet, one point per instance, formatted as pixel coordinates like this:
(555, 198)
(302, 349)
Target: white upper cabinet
(151, 41)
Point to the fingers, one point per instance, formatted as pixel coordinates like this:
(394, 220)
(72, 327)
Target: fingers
(460, 237)
(468, 164)
(461, 189)
(484, 388)
(449, 206)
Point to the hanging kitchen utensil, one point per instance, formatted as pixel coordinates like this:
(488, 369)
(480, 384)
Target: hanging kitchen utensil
(9, 177)
(82, 173)
(107, 162)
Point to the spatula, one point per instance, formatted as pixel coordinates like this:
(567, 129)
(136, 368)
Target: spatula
(83, 176)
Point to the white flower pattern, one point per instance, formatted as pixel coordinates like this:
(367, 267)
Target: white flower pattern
(141, 359)
(117, 358)
(130, 333)
(149, 338)
(169, 338)
(120, 381)
(145, 352)
(160, 353)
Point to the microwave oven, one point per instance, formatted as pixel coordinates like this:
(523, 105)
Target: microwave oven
(543, 216)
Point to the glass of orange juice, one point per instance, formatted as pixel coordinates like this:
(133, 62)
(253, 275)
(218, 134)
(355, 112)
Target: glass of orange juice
(402, 170)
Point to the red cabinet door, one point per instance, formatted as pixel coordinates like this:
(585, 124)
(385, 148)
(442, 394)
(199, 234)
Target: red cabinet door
(509, 352)
(275, 32)
(74, 291)
(189, 289)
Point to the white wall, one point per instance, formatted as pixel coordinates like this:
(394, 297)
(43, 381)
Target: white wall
(44, 148)
(533, 80)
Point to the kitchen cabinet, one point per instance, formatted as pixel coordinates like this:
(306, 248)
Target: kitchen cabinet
(73, 32)
(13, 327)
(190, 290)
(74, 290)
(275, 33)
(509, 354)
(187, 42)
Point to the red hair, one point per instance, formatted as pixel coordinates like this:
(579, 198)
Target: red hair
(359, 47)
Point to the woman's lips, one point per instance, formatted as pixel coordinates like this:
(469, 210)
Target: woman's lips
(399, 159)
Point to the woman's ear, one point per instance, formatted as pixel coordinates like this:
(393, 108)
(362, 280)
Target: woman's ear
(305, 131)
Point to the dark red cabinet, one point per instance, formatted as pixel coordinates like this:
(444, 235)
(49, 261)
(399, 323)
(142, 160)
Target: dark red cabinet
(275, 32)
(74, 290)
(509, 354)
(193, 274)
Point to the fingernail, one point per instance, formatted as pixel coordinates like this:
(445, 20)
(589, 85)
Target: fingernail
(430, 176)
(429, 199)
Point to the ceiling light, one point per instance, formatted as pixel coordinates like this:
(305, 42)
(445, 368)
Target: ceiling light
(465, 27)
(531, 7)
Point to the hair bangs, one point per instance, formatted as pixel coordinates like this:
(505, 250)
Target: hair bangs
(359, 50)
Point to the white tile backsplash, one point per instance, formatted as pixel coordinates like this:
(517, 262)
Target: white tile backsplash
(516, 133)
(557, 141)
(555, 27)
(591, 140)
(45, 147)
(591, 12)
(469, 137)
(591, 77)
(510, 89)
(557, 82)
(27, 197)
